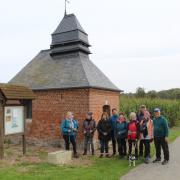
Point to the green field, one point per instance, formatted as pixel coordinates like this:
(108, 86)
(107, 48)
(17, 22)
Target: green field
(99, 169)
(170, 108)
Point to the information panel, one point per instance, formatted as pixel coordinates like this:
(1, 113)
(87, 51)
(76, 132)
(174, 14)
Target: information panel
(14, 120)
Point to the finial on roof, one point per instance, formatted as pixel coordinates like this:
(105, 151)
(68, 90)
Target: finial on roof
(65, 12)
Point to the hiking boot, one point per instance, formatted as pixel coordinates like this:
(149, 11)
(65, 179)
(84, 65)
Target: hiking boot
(113, 154)
(85, 152)
(140, 155)
(146, 161)
(165, 162)
(121, 156)
(156, 160)
(76, 156)
(107, 155)
(101, 155)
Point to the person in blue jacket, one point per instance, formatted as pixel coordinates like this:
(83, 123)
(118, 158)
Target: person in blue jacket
(69, 129)
(113, 120)
(121, 135)
(161, 132)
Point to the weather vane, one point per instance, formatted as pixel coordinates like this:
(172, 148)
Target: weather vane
(66, 1)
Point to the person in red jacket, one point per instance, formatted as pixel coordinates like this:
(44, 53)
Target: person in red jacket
(133, 133)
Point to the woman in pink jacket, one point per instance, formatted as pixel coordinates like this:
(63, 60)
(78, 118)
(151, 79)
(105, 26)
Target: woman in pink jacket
(146, 135)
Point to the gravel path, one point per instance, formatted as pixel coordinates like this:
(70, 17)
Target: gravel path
(151, 171)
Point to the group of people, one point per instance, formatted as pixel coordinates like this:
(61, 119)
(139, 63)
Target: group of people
(137, 133)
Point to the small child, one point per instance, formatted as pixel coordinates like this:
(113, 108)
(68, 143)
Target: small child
(133, 134)
(121, 135)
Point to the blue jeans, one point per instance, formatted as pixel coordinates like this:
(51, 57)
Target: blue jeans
(104, 146)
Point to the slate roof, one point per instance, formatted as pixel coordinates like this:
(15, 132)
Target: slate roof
(69, 30)
(14, 92)
(69, 23)
(61, 72)
(66, 64)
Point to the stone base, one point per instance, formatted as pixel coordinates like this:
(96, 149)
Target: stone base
(60, 157)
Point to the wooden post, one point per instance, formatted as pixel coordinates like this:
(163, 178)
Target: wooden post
(24, 144)
(1, 129)
(24, 135)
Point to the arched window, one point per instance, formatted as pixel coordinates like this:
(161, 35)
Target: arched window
(106, 108)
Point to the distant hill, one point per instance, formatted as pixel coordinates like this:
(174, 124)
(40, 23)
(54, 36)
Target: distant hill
(169, 94)
(165, 94)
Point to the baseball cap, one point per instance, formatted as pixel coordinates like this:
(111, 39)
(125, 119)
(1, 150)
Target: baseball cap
(90, 113)
(157, 110)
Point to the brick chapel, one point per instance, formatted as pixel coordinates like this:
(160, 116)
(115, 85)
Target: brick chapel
(64, 79)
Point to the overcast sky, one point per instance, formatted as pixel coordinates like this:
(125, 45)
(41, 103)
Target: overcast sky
(134, 42)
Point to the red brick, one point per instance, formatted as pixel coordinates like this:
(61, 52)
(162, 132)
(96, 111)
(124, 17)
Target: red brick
(51, 106)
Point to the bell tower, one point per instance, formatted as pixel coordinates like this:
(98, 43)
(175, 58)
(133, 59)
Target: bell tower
(69, 37)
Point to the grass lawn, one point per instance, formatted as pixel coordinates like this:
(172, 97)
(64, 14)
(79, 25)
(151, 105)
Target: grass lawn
(99, 169)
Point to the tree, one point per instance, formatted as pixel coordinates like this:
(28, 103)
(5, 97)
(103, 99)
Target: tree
(140, 92)
(152, 94)
(170, 94)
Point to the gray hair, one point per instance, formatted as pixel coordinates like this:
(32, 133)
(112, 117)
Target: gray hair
(132, 116)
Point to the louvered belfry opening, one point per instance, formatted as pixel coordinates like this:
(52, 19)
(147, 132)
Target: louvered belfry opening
(69, 37)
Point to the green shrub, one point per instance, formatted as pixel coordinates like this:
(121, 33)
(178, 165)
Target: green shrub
(169, 108)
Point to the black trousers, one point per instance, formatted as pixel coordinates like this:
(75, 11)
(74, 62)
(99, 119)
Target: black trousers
(141, 147)
(133, 143)
(113, 143)
(104, 146)
(70, 139)
(160, 142)
(122, 148)
(146, 144)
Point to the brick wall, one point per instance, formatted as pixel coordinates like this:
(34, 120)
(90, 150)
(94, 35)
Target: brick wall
(99, 98)
(51, 106)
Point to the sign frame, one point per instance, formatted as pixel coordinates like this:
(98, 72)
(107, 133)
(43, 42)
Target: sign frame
(3, 105)
(13, 107)
(14, 95)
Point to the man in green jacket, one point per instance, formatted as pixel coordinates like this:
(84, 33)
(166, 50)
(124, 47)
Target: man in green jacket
(161, 132)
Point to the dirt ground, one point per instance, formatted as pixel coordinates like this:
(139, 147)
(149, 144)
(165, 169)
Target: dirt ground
(13, 155)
